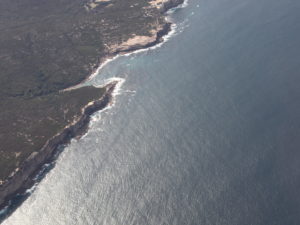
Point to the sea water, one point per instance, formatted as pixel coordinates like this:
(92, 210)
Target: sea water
(205, 129)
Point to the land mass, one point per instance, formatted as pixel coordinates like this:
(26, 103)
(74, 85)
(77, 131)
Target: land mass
(48, 46)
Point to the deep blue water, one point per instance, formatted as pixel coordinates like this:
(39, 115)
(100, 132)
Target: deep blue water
(206, 129)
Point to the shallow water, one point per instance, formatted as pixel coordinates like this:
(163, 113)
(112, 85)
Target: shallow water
(205, 129)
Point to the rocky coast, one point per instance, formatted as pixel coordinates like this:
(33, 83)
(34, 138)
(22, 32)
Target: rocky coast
(22, 176)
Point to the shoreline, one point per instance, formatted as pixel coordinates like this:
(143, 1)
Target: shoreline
(132, 49)
(160, 35)
(25, 178)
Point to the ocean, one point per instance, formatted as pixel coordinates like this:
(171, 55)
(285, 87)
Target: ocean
(205, 129)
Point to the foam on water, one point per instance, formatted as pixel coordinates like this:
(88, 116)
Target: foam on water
(165, 38)
(208, 138)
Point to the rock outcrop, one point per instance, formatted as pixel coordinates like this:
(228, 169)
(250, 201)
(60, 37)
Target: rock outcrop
(140, 42)
(23, 177)
(170, 4)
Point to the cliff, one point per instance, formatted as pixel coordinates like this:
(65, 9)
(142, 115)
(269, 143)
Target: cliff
(138, 41)
(22, 178)
(170, 4)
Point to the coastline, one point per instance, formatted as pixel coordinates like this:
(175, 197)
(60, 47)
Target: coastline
(24, 178)
(135, 48)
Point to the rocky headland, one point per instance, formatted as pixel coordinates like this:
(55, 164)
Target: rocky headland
(22, 178)
(66, 114)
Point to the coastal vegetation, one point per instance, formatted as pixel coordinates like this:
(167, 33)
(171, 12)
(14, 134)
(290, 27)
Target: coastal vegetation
(27, 123)
(48, 46)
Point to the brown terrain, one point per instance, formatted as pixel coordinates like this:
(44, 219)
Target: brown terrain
(48, 46)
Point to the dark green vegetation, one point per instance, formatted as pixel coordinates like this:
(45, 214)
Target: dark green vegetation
(47, 46)
(27, 123)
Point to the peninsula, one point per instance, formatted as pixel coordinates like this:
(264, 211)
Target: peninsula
(48, 46)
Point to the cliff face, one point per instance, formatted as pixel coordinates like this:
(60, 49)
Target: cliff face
(22, 179)
(170, 4)
(138, 42)
(51, 48)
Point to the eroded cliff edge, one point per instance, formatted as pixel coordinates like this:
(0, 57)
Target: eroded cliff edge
(22, 177)
(29, 160)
